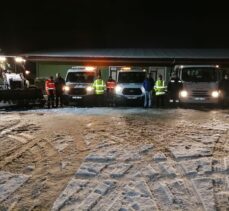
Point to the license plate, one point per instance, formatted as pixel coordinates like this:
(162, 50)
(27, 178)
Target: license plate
(199, 98)
(76, 97)
(131, 97)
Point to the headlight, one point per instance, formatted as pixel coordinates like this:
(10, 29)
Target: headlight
(215, 94)
(118, 89)
(143, 90)
(184, 93)
(89, 89)
(66, 88)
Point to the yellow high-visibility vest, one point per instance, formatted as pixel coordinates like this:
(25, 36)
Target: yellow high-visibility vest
(99, 86)
(160, 87)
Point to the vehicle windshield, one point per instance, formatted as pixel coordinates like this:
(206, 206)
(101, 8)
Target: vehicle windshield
(80, 77)
(131, 77)
(199, 74)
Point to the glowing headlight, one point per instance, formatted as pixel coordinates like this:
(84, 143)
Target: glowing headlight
(19, 60)
(183, 93)
(215, 94)
(143, 90)
(90, 89)
(2, 58)
(118, 89)
(27, 72)
(66, 88)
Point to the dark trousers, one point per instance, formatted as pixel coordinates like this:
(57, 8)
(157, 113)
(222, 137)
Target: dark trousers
(59, 99)
(99, 100)
(225, 98)
(51, 99)
(174, 97)
(160, 101)
(110, 98)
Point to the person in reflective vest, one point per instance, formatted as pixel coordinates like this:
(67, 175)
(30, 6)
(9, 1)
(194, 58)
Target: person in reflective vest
(111, 84)
(174, 87)
(160, 89)
(50, 90)
(99, 87)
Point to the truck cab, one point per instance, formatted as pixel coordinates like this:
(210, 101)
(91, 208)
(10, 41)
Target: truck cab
(78, 84)
(14, 80)
(200, 83)
(130, 85)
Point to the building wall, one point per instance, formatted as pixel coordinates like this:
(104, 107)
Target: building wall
(45, 70)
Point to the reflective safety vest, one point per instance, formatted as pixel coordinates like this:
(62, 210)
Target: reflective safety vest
(111, 84)
(49, 85)
(99, 86)
(159, 87)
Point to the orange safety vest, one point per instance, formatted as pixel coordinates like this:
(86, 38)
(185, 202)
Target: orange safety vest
(50, 85)
(111, 84)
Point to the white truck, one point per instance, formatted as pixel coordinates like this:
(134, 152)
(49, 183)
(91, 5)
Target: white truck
(78, 85)
(200, 83)
(16, 89)
(129, 85)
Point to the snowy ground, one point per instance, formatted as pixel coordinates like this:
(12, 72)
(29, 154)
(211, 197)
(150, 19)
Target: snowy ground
(114, 159)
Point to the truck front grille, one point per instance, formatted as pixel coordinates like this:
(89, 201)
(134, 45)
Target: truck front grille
(132, 91)
(200, 93)
(77, 91)
(15, 84)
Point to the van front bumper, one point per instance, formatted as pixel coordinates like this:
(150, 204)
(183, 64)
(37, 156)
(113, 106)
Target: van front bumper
(78, 98)
(125, 99)
(200, 100)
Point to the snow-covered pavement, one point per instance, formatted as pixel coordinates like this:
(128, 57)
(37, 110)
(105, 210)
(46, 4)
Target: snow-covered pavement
(133, 159)
(184, 177)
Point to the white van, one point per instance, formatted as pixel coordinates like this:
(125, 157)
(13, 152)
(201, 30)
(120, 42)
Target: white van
(78, 84)
(130, 85)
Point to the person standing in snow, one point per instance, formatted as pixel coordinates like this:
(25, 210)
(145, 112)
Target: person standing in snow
(99, 87)
(148, 86)
(50, 90)
(160, 89)
(59, 83)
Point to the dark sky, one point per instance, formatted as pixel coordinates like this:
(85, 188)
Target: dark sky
(46, 25)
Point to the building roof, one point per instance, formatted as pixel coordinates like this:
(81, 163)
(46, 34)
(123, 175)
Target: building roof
(140, 55)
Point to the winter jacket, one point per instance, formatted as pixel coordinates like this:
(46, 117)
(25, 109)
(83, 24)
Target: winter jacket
(175, 85)
(148, 84)
(224, 87)
(50, 86)
(111, 84)
(59, 83)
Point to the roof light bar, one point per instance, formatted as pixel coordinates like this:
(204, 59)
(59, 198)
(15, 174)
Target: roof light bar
(19, 60)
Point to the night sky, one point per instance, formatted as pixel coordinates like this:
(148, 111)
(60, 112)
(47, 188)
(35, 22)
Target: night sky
(46, 25)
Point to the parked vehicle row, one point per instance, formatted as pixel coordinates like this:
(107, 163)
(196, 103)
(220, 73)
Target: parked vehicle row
(200, 84)
(188, 84)
(79, 85)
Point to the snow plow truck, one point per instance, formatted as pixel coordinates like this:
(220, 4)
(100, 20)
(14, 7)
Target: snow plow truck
(15, 88)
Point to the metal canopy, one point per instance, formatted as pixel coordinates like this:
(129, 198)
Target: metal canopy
(134, 56)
